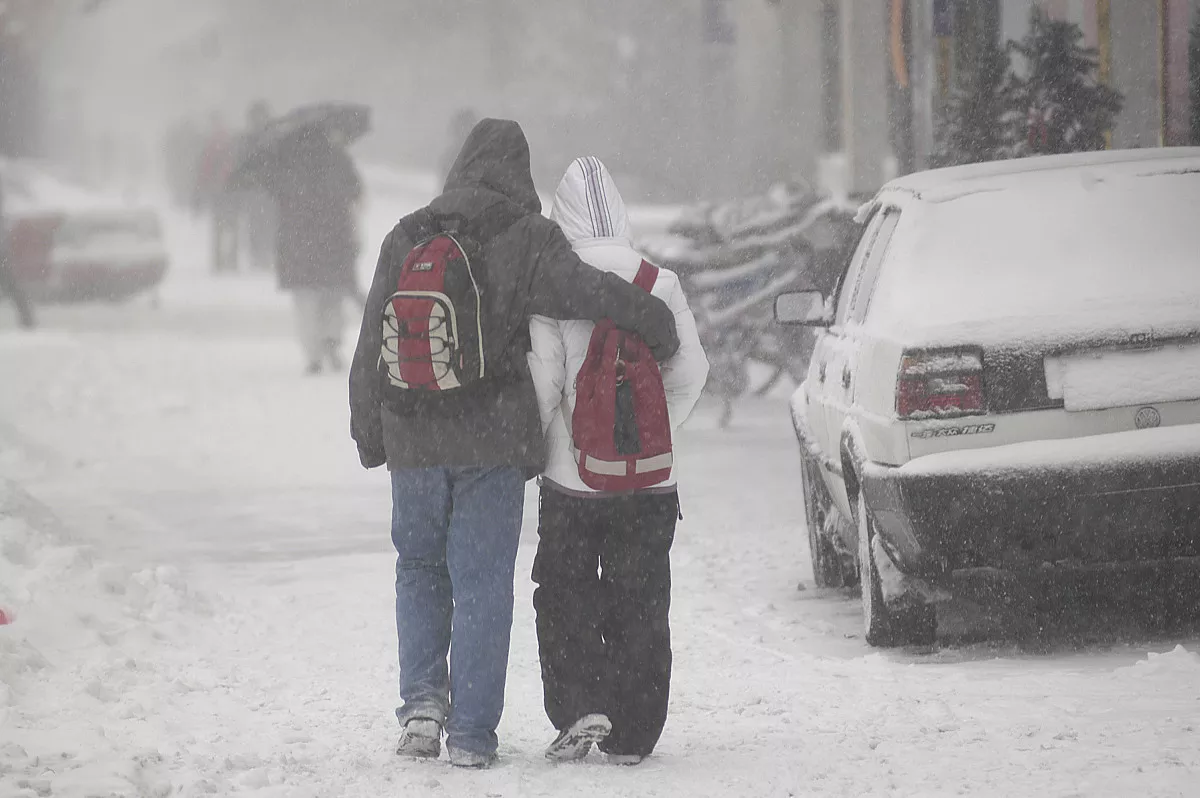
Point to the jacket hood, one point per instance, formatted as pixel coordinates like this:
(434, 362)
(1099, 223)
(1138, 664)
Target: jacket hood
(587, 204)
(496, 156)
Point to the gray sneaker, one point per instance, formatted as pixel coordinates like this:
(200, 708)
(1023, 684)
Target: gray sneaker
(574, 742)
(462, 758)
(421, 738)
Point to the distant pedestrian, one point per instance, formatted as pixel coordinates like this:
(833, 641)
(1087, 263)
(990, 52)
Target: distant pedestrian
(10, 284)
(213, 194)
(317, 190)
(258, 216)
(603, 566)
(181, 154)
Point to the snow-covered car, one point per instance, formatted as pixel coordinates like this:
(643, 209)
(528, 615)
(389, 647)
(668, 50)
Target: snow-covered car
(1006, 381)
(70, 244)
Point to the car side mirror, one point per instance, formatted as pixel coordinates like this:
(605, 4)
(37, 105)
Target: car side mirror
(807, 308)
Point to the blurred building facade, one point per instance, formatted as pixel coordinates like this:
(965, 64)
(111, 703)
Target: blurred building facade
(688, 99)
(22, 27)
(887, 67)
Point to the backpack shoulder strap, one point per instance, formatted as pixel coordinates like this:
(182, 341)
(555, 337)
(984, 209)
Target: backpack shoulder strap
(647, 276)
(420, 225)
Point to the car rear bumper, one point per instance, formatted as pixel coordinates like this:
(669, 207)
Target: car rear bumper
(81, 281)
(1121, 498)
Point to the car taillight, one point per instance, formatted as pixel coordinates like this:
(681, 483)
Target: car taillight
(940, 384)
(29, 245)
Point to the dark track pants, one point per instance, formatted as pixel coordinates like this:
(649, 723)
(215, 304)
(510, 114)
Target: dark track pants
(603, 571)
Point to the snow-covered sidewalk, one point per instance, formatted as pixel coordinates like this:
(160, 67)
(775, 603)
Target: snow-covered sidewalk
(201, 584)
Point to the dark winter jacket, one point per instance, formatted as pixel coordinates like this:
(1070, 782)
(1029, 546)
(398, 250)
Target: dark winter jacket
(317, 189)
(529, 269)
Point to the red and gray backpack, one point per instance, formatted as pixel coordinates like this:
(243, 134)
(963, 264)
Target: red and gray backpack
(620, 429)
(433, 322)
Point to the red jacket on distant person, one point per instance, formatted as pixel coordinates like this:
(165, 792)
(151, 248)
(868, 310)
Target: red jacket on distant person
(213, 168)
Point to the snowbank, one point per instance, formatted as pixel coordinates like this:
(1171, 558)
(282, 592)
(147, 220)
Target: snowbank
(84, 664)
(1178, 662)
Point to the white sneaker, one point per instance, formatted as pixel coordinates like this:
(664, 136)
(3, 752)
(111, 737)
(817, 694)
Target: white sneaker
(574, 742)
(420, 738)
(469, 759)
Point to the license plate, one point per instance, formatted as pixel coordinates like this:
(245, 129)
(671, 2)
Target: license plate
(1101, 379)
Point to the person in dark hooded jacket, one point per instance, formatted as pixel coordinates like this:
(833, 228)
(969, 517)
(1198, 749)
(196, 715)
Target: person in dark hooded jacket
(459, 461)
(317, 190)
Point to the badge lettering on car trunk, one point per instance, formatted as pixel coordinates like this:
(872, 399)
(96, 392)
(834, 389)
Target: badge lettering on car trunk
(1142, 339)
(956, 432)
(1147, 418)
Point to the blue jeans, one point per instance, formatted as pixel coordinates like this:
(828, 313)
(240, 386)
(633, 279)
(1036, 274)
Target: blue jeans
(456, 532)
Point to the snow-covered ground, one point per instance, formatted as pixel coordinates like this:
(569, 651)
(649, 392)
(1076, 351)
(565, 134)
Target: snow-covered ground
(200, 580)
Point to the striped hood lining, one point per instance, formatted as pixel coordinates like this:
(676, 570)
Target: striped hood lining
(587, 204)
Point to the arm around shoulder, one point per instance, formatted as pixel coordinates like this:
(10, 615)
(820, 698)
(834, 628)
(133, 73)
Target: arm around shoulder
(564, 287)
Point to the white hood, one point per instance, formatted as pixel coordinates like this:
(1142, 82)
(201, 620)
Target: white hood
(587, 204)
(591, 213)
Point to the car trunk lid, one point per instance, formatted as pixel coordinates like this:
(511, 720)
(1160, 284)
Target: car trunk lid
(1142, 355)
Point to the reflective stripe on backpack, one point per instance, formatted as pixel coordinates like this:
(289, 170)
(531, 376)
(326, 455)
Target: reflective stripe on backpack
(623, 468)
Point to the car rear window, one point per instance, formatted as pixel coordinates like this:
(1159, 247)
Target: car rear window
(1059, 246)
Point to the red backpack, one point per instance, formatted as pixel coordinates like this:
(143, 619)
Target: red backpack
(620, 428)
(433, 325)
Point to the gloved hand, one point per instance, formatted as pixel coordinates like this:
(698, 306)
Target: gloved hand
(631, 308)
(657, 329)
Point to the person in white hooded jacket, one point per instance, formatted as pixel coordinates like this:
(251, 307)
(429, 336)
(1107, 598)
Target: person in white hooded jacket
(603, 562)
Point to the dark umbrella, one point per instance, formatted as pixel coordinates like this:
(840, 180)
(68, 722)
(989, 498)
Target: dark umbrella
(350, 121)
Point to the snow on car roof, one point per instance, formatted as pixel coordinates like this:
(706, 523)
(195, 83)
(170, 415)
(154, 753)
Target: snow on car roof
(1075, 243)
(30, 187)
(940, 185)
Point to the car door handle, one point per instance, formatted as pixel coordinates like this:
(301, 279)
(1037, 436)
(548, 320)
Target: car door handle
(846, 377)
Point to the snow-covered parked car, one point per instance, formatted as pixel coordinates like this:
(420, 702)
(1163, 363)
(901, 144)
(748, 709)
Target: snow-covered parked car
(1008, 381)
(68, 243)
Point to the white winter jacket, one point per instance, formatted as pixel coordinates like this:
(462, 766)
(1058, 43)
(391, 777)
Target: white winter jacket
(592, 215)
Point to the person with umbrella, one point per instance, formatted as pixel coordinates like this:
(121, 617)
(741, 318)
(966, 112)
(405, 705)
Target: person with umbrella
(301, 160)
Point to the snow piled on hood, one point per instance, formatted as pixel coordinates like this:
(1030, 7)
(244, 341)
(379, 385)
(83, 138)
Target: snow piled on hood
(31, 189)
(587, 204)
